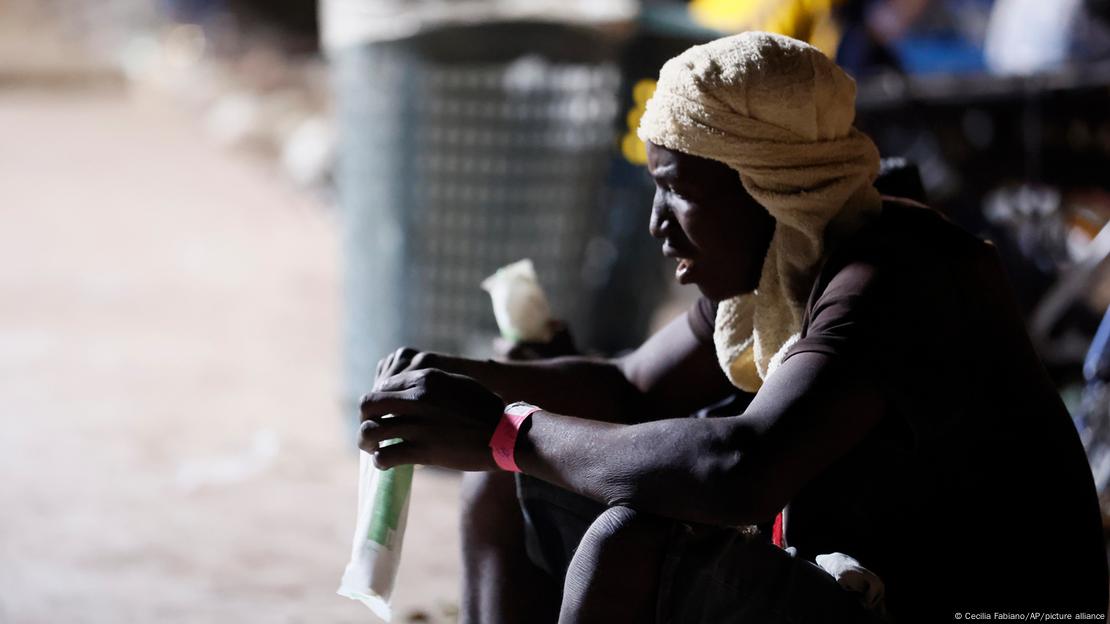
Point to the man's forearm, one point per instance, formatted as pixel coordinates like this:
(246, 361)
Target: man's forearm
(689, 469)
(588, 387)
(730, 470)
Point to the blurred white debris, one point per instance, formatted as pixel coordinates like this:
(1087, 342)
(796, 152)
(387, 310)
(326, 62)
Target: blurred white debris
(234, 120)
(251, 96)
(184, 45)
(308, 153)
(193, 474)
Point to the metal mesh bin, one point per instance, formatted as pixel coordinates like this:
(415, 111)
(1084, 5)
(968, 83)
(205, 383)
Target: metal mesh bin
(461, 152)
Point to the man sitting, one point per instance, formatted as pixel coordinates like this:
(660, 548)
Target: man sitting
(886, 422)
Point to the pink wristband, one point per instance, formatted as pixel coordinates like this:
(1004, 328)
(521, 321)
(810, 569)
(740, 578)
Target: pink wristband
(503, 441)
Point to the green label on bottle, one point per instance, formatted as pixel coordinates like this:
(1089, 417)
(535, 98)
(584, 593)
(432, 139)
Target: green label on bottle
(393, 490)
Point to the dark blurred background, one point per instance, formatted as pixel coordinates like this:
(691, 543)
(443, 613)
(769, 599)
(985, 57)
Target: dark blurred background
(219, 214)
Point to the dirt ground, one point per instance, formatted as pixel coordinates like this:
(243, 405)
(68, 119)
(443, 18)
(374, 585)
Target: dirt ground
(171, 447)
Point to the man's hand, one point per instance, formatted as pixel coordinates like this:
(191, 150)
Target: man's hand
(406, 359)
(441, 419)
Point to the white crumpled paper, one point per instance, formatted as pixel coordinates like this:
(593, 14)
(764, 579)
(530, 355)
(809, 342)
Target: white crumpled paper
(519, 304)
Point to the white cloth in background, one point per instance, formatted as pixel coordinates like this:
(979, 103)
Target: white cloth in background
(780, 113)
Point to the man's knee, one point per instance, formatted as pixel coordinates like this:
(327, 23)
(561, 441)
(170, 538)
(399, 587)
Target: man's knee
(621, 534)
(613, 525)
(615, 571)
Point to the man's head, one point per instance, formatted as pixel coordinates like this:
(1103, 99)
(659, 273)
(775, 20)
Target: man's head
(778, 113)
(759, 125)
(715, 230)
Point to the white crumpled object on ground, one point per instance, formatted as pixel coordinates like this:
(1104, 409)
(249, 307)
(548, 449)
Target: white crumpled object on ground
(854, 577)
(519, 303)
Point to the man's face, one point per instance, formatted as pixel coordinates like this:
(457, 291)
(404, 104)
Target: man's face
(715, 230)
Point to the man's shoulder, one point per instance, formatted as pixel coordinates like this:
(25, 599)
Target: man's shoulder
(909, 226)
(907, 238)
(907, 264)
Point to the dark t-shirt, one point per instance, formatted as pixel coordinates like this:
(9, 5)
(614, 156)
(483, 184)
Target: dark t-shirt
(973, 493)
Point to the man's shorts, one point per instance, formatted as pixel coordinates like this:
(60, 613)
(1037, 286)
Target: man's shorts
(710, 574)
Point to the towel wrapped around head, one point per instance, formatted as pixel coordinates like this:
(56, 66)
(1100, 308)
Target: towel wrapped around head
(780, 113)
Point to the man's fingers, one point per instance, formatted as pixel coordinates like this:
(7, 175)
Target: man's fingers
(398, 454)
(384, 366)
(390, 365)
(374, 432)
(378, 372)
(400, 361)
(403, 380)
(380, 403)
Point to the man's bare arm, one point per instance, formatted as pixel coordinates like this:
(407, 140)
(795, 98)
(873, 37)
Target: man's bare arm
(671, 375)
(731, 470)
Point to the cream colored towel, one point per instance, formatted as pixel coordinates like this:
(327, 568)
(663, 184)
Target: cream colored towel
(780, 113)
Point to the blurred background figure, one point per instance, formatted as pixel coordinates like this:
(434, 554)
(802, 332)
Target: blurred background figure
(219, 215)
(1067, 32)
